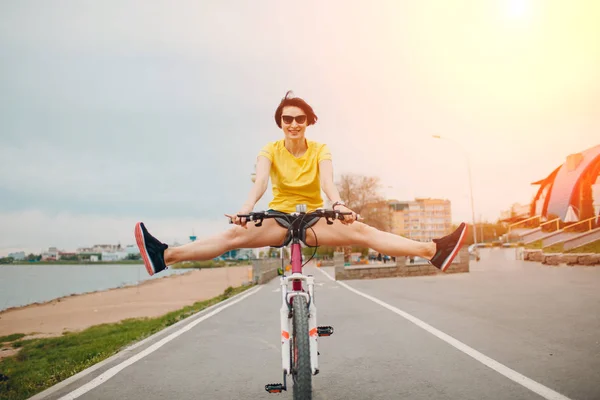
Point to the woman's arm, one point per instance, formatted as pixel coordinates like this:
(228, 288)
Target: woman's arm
(263, 169)
(326, 174)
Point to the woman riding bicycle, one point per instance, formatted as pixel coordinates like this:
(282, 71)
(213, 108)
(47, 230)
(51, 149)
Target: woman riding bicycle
(299, 169)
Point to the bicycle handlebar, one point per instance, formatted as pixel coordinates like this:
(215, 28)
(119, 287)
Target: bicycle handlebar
(259, 216)
(299, 221)
(329, 214)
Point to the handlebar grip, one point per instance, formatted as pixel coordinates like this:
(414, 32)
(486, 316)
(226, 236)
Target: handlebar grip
(247, 216)
(341, 215)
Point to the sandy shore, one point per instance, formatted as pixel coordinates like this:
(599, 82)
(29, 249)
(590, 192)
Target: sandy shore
(148, 299)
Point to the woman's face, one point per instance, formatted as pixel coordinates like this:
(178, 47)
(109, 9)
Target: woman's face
(293, 122)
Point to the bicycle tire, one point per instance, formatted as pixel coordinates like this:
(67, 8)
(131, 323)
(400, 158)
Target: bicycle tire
(301, 370)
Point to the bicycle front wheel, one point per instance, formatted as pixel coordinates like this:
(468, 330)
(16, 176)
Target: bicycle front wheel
(301, 370)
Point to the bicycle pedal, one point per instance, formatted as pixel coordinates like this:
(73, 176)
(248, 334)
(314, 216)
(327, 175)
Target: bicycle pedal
(274, 388)
(325, 330)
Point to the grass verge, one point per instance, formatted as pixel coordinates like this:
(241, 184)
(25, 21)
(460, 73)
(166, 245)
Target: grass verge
(42, 363)
(537, 245)
(11, 338)
(199, 264)
(593, 247)
(555, 248)
(209, 264)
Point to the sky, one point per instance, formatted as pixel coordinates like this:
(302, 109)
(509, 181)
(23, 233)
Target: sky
(115, 112)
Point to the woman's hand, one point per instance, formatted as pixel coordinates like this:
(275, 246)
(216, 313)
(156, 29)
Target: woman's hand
(348, 219)
(240, 221)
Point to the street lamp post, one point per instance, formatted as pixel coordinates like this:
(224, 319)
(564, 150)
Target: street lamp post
(470, 182)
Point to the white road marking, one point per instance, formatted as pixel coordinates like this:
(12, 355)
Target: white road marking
(327, 275)
(123, 353)
(119, 367)
(502, 369)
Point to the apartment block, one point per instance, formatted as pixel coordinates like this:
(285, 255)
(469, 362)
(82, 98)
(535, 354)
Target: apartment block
(422, 219)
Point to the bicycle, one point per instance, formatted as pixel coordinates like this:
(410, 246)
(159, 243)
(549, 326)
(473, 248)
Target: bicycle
(299, 351)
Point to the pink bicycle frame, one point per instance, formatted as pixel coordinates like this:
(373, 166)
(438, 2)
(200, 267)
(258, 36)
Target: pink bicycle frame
(296, 265)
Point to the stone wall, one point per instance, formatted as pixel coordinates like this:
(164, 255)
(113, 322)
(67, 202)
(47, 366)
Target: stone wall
(265, 269)
(399, 269)
(561, 258)
(327, 263)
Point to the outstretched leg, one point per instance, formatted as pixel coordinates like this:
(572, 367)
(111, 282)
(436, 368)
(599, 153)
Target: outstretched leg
(236, 237)
(440, 252)
(157, 255)
(359, 234)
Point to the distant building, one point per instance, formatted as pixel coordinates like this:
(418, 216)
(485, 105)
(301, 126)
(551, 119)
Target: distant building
(99, 248)
(422, 219)
(114, 256)
(246, 254)
(18, 256)
(239, 254)
(50, 255)
(132, 249)
(64, 255)
(106, 252)
(88, 255)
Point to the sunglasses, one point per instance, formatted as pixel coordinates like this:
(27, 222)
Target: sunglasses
(300, 119)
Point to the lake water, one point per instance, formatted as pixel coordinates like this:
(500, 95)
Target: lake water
(25, 284)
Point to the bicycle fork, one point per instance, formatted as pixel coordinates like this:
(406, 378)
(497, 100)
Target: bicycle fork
(285, 313)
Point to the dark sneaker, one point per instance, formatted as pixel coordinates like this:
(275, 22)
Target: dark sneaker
(151, 249)
(447, 247)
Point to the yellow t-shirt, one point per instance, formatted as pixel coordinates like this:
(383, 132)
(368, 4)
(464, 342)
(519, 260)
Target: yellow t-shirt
(295, 180)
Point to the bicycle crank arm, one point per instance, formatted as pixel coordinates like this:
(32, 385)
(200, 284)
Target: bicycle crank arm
(277, 387)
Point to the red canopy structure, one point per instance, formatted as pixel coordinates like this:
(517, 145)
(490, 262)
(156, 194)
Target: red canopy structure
(568, 192)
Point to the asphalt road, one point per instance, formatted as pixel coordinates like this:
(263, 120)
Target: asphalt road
(506, 330)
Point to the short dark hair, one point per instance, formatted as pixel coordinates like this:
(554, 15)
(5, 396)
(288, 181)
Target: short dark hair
(290, 100)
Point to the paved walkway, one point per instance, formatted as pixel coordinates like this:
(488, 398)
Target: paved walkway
(506, 330)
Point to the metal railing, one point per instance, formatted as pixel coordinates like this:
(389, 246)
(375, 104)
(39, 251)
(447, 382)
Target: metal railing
(512, 226)
(555, 221)
(590, 225)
